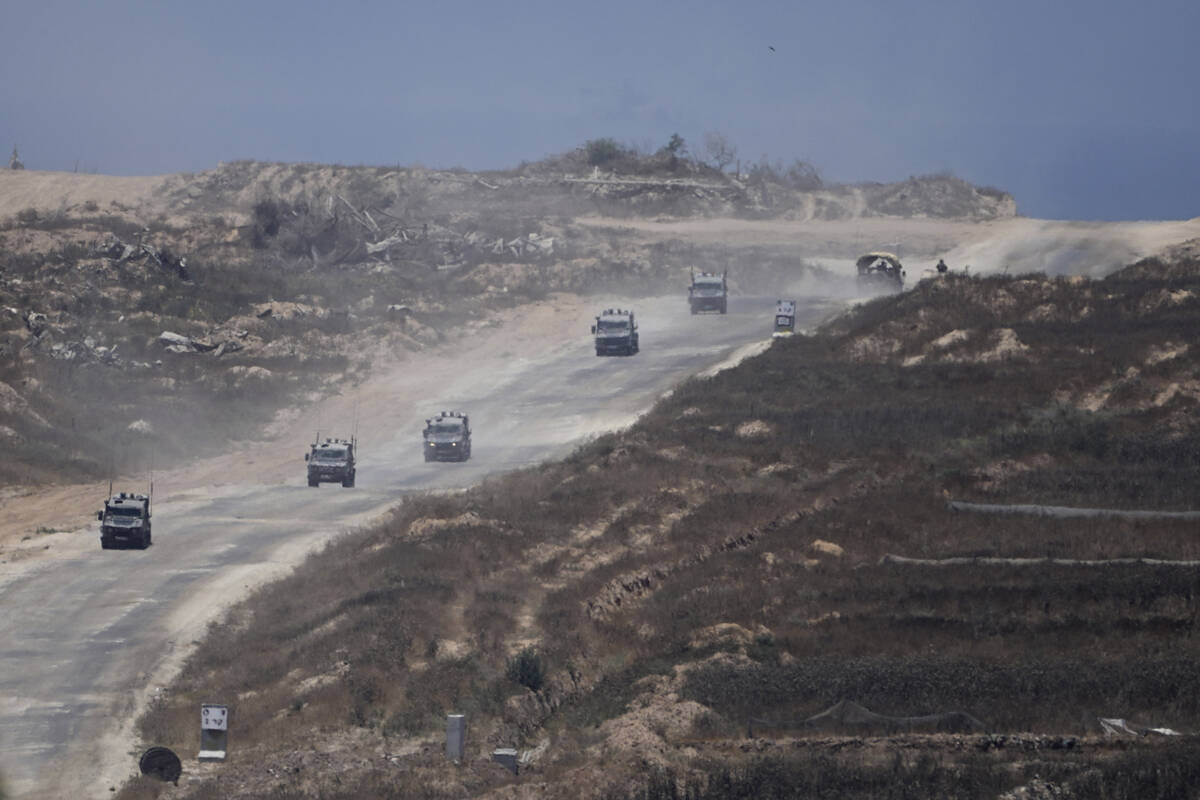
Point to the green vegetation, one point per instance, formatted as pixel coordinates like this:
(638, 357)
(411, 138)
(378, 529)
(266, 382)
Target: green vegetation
(526, 669)
(602, 151)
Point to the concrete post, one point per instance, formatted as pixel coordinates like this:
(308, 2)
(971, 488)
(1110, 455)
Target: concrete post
(456, 737)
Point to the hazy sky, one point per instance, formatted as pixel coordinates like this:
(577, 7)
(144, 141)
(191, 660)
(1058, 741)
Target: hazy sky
(1083, 110)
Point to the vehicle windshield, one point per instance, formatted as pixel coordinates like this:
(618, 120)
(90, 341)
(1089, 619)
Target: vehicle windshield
(446, 427)
(330, 454)
(708, 289)
(613, 325)
(124, 511)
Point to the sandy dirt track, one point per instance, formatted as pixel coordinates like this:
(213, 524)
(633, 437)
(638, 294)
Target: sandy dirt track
(389, 405)
(1014, 245)
(99, 630)
(400, 380)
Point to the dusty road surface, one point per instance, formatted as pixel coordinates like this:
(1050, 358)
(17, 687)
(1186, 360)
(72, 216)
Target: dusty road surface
(89, 635)
(1015, 245)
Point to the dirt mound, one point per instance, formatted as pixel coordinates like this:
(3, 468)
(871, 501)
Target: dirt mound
(1173, 263)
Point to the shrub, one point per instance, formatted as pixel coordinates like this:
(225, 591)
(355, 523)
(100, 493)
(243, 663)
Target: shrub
(525, 668)
(267, 215)
(602, 151)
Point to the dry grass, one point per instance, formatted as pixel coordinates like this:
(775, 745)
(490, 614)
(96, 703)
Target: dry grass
(610, 562)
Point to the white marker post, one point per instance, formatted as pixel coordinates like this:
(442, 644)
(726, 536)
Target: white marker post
(456, 737)
(214, 732)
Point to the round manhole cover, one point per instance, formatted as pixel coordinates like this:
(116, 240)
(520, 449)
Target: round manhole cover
(161, 763)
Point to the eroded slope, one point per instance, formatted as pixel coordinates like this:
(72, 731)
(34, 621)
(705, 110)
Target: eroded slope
(629, 612)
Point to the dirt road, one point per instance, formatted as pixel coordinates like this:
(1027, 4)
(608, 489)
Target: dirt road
(99, 632)
(1014, 245)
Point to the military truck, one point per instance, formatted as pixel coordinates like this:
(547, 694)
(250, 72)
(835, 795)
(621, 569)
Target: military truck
(880, 271)
(331, 461)
(447, 437)
(785, 318)
(125, 521)
(708, 292)
(616, 333)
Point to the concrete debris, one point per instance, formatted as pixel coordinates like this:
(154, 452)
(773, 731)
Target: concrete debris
(204, 345)
(530, 244)
(36, 322)
(1121, 727)
(171, 338)
(283, 310)
(229, 346)
(111, 247)
(400, 237)
(178, 343)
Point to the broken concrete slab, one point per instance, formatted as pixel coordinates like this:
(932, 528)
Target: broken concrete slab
(171, 338)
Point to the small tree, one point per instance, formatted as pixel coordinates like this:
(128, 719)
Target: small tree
(676, 146)
(602, 151)
(804, 176)
(720, 150)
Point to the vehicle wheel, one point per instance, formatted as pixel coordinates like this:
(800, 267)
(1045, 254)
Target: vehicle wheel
(348, 483)
(428, 458)
(599, 353)
(145, 540)
(724, 308)
(105, 544)
(693, 310)
(312, 482)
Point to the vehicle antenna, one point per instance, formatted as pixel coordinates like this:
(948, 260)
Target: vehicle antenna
(354, 431)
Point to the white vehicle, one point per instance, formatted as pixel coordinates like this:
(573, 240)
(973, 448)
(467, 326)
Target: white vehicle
(785, 318)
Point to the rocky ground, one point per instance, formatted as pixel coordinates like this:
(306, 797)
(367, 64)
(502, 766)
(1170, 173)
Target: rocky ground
(687, 606)
(146, 322)
(668, 584)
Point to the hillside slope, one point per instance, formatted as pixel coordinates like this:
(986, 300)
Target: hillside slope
(151, 320)
(736, 560)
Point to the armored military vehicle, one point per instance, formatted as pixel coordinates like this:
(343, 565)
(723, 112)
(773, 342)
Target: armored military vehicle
(331, 461)
(448, 437)
(125, 521)
(708, 292)
(785, 318)
(880, 271)
(616, 333)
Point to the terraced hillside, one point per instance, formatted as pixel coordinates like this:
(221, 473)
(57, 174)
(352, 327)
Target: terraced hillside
(764, 545)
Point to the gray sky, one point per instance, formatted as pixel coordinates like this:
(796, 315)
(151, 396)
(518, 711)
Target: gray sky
(1083, 110)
